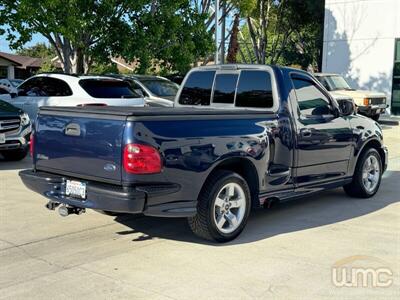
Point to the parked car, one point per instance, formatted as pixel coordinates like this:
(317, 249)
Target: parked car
(15, 131)
(70, 90)
(10, 85)
(370, 104)
(4, 94)
(156, 90)
(279, 135)
(176, 78)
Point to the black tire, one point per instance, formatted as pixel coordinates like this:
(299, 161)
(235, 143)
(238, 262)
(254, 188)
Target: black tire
(375, 117)
(15, 155)
(203, 223)
(356, 188)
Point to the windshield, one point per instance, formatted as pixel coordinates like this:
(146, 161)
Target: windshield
(337, 83)
(161, 88)
(108, 88)
(16, 82)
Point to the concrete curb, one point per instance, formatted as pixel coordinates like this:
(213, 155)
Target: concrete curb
(389, 121)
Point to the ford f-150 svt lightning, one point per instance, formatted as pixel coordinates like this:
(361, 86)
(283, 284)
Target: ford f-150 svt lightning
(276, 135)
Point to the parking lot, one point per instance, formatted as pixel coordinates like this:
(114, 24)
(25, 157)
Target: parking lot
(289, 251)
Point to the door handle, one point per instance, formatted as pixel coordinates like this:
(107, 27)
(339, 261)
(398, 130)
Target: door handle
(305, 132)
(73, 129)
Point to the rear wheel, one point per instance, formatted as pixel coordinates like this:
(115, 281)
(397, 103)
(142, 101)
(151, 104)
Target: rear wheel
(367, 175)
(223, 207)
(15, 155)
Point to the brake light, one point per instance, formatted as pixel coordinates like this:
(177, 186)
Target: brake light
(141, 159)
(91, 104)
(31, 144)
(366, 101)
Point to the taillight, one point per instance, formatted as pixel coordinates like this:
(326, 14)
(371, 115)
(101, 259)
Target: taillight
(31, 144)
(91, 104)
(366, 101)
(141, 159)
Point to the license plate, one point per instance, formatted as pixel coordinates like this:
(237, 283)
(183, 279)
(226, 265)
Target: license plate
(2, 138)
(75, 189)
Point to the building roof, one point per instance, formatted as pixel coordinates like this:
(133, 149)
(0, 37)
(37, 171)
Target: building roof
(22, 61)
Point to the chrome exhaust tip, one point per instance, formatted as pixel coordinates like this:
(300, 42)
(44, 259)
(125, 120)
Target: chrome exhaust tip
(65, 210)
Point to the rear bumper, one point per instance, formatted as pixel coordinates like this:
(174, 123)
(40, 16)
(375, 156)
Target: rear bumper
(109, 197)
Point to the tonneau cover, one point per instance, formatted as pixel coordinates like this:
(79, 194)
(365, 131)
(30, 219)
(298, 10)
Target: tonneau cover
(149, 111)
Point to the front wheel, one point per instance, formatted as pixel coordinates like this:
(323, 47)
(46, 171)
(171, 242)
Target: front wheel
(223, 207)
(367, 175)
(375, 117)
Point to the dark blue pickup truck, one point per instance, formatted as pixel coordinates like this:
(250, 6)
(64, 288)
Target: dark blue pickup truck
(240, 137)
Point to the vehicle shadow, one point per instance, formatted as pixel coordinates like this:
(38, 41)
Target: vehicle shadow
(5, 165)
(314, 211)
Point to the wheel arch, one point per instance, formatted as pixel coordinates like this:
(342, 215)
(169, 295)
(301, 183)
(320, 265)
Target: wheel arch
(372, 143)
(245, 168)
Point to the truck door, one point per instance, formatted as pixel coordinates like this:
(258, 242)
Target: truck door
(323, 140)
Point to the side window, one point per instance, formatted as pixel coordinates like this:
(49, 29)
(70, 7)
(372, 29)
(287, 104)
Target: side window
(254, 90)
(31, 87)
(3, 91)
(224, 88)
(310, 99)
(45, 86)
(108, 88)
(324, 82)
(54, 87)
(138, 89)
(197, 89)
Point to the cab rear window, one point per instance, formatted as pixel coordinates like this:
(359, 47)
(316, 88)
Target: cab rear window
(197, 89)
(99, 88)
(247, 88)
(254, 90)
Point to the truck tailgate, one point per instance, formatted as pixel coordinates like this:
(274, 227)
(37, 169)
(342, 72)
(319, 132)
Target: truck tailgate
(80, 146)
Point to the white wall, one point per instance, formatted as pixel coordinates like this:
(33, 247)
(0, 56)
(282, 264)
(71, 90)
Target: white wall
(359, 41)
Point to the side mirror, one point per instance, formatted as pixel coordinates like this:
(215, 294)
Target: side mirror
(13, 95)
(346, 107)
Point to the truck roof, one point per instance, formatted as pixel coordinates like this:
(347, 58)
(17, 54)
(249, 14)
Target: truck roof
(243, 66)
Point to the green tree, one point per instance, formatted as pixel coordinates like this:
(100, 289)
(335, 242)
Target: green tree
(39, 50)
(171, 36)
(275, 32)
(84, 31)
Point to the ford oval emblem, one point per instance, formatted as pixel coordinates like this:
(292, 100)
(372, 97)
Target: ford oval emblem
(110, 167)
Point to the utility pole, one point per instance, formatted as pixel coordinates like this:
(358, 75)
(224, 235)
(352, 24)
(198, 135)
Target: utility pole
(222, 61)
(216, 32)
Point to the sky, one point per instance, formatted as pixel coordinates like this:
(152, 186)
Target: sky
(5, 47)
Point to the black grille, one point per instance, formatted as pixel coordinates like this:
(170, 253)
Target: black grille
(377, 101)
(9, 124)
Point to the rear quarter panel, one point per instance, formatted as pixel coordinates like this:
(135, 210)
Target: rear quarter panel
(191, 149)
